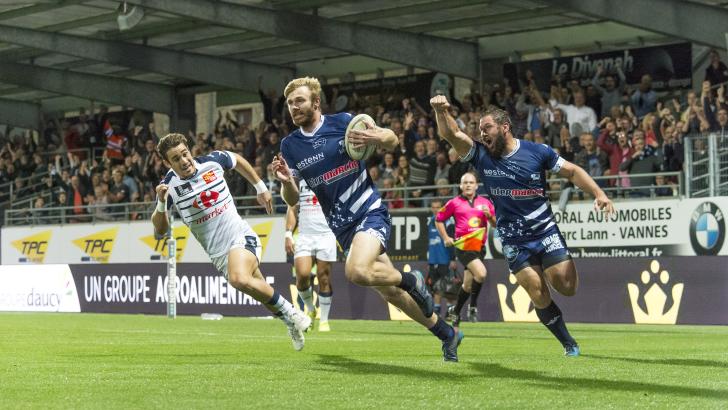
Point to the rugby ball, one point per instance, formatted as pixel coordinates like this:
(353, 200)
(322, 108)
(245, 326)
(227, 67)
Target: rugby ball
(359, 123)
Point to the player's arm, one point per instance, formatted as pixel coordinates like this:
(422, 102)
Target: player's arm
(290, 227)
(374, 135)
(576, 175)
(447, 128)
(289, 187)
(243, 167)
(160, 219)
(446, 239)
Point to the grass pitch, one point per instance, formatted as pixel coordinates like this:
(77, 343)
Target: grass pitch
(138, 362)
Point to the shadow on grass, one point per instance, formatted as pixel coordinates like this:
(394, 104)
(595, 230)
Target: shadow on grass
(670, 362)
(343, 364)
(496, 371)
(424, 332)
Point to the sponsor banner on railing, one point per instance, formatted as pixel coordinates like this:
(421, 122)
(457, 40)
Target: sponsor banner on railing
(661, 290)
(648, 228)
(122, 242)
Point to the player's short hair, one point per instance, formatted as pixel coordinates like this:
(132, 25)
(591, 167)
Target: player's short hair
(312, 83)
(170, 141)
(499, 116)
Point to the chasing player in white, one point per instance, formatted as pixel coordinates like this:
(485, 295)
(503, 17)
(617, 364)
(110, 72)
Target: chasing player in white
(197, 188)
(315, 242)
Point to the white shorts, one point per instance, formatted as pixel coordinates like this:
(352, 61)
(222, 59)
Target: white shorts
(321, 246)
(248, 240)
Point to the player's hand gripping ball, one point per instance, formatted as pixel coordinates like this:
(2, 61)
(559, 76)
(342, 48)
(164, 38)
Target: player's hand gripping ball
(356, 151)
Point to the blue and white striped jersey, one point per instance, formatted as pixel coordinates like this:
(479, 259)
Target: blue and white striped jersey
(342, 185)
(516, 184)
(205, 204)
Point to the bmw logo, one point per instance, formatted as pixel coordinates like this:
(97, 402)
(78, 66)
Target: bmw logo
(707, 229)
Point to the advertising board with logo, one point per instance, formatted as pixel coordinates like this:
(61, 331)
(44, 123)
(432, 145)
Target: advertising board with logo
(662, 290)
(124, 242)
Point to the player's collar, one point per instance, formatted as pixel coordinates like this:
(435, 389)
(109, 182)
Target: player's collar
(315, 130)
(518, 145)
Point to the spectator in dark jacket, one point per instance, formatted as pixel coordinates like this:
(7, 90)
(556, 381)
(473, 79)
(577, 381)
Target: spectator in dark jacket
(641, 163)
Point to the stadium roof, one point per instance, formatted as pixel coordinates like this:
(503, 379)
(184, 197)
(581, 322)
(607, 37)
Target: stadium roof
(51, 49)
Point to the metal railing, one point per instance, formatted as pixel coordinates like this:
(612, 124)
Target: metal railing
(706, 164)
(395, 198)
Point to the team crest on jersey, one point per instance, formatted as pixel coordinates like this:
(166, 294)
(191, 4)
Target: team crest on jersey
(209, 176)
(341, 147)
(183, 189)
(206, 199)
(319, 142)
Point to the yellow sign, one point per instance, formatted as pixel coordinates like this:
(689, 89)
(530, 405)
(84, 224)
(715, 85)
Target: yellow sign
(34, 247)
(523, 310)
(655, 298)
(263, 230)
(98, 246)
(159, 246)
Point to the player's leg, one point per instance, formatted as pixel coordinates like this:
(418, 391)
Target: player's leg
(323, 272)
(453, 312)
(472, 283)
(478, 270)
(243, 274)
(364, 268)
(241, 269)
(303, 264)
(531, 278)
(562, 276)
(435, 273)
(326, 252)
(397, 296)
(560, 271)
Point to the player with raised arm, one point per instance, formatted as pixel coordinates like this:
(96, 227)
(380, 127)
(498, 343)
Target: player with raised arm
(197, 188)
(315, 242)
(514, 175)
(472, 214)
(351, 203)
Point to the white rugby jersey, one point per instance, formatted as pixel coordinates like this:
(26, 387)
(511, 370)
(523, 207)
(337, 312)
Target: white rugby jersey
(205, 204)
(311, 220)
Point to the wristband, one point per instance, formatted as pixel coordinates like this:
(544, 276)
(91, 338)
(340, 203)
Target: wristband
(289, 235)
(260, 187)
(161, 206)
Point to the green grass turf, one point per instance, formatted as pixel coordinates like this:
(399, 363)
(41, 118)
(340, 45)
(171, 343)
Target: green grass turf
(129, 362)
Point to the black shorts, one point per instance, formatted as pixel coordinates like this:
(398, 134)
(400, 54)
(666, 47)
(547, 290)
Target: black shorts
(465, 257)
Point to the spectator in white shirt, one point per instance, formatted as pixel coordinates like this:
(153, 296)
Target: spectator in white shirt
(580, 116)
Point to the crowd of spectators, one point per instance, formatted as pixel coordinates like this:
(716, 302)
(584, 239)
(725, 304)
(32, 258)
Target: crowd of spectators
(606, 126)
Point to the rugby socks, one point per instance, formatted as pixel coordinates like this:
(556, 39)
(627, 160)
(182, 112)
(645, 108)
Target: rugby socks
(552, 318)
(280, 306)
(442, 330)
(463, 296)
(325, 305)
(474, 293)
(408, 283)
(307, 296)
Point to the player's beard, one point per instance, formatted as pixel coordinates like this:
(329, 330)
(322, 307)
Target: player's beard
(497, 146)
(304, 119)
